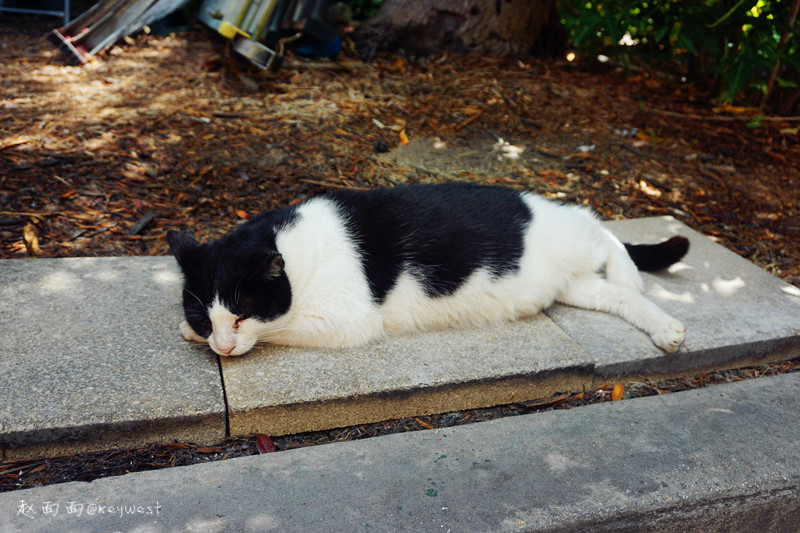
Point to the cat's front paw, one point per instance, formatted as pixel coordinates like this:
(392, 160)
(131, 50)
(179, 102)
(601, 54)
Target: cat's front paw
(670, 336)
(189, 334)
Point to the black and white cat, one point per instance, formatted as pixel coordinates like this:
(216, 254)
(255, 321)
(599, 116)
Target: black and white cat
(350, 266)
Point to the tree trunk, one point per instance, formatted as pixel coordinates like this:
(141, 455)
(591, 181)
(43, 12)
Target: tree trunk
(426, 27)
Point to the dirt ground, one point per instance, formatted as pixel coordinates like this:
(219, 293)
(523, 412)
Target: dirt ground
(176, 128)
(173, 132)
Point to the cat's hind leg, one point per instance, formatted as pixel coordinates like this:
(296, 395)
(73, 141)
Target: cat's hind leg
(628, 303)
(620, 269)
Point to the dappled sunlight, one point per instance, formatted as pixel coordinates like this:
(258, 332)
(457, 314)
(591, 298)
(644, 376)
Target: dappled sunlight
(679, 267)
(793, 292)
(723, 287)
(102, 96)
(167, 278)
(661, 293)
(508, 150)
(720, 410)
(728, 287)
(59, 282)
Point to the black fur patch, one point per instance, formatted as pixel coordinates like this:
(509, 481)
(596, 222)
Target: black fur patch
(243, 267)
(442, 233)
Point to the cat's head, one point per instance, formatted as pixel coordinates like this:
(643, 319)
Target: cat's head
(233, 289)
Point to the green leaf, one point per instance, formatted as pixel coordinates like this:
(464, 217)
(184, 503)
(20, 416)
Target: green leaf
(674, 32)
(786, 83)
(738, 76)
(685, 42)
(587, 29)
(757, 122)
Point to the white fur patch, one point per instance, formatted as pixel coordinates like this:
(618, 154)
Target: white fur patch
(331, 301)
(230, 336)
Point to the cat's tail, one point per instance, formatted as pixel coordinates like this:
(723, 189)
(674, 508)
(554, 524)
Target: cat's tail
(654, 257)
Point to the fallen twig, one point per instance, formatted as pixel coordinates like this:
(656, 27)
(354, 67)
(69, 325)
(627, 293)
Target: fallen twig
(142, 223)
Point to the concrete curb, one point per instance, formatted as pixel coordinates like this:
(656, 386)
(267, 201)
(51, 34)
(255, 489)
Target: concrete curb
(723, 458)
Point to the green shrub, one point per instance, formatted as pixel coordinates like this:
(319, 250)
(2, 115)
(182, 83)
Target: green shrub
(734, 44)
(363, 9)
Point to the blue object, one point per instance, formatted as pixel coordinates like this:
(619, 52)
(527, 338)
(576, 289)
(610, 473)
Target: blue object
(321, 49)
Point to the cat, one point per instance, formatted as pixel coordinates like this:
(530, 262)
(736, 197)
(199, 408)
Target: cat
(350, 266)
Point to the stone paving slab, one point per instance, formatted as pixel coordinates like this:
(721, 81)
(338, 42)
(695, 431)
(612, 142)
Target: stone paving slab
(734, 311)
(91, 358)
(278, 390)
(723, 458)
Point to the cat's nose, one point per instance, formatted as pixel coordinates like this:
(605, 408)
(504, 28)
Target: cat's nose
(226, 350)
(225, 344)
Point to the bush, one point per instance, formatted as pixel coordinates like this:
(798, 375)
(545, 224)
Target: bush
(363, 9)
(747, 49)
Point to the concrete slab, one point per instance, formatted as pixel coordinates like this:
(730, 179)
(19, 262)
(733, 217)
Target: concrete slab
(278, 390)
(734, 311)
(723, 458)
(91, 358)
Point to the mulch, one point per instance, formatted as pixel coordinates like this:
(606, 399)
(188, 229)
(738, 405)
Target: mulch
(173, 132)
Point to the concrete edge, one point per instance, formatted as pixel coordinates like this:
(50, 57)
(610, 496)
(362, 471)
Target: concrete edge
(202, 429)
(773, 506)
(315, 416)
(679, 364)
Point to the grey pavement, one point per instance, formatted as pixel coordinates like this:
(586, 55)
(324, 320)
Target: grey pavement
(92, 357)
(723, 458)
(279, 391)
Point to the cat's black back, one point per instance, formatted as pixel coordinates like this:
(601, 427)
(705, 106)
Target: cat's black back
(441, 233)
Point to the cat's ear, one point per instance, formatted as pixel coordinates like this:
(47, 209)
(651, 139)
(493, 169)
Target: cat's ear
(274, 266)
(184, 247)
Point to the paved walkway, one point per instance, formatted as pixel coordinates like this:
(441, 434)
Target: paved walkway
(92, 357)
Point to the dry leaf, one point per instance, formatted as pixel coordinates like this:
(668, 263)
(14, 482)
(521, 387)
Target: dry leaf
(178, 445)
(31, 238)
(551, 174)
(209, 449)
(617, 392)
(733, 109)
(423, 423)
(264, 444)
(403, 138)
(242, 214)
(648, 189)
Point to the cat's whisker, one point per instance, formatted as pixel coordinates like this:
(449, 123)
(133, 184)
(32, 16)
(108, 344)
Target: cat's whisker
(195, 296)
(236, 292)
(267, 335)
